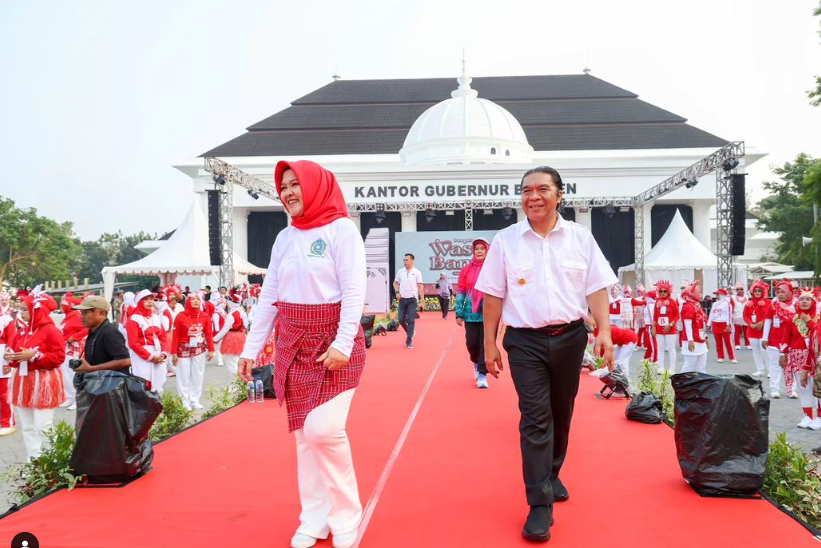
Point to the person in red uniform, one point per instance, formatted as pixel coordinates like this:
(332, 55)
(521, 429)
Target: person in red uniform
(651, 349)
(35, 356)
(796, 346)
(147, 343)
(624, 343)
(694, 321)
(755, 312)
(721, 314)
(232, 333)
(806, 379)
(665, 316)
(192, 338)
(778, 317)
(8, 329)
(74, 335)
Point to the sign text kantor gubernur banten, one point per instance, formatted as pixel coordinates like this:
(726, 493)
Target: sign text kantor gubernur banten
(480, 190)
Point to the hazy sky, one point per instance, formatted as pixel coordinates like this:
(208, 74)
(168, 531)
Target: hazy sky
(99, 99)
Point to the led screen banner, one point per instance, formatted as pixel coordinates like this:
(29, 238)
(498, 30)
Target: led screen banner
(438, 252)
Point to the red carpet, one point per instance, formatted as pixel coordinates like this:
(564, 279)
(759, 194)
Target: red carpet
(456, 481)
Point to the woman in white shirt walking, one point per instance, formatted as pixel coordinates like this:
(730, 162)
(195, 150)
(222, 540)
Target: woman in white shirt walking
(315, 290)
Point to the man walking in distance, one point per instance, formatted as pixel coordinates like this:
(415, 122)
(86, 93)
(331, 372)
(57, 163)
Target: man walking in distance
(409, 289)
(540, 277)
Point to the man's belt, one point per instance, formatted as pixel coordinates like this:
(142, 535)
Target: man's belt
(552, 330)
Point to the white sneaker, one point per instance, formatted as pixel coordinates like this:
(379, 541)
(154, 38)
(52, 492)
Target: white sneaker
(301, 540)
(72, 407)
(749, 348)
(197, 405)
(775, 395)
(792, 395)
(187, 406)
(8, 430)
(733, 361)
(66, 403)
(345, 541)
(805, 422)
(758, 374)
(738, 348)
(660, 371)
(481, 382)
(816, 424)
(721, 360)
(475, 371)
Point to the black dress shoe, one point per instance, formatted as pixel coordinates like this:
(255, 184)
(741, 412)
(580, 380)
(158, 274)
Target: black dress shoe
(560, 493)
(537, 526)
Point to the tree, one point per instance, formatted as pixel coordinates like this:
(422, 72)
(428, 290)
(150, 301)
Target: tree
(113, 249)
(33, 248)
(815, 94)
(788, 210)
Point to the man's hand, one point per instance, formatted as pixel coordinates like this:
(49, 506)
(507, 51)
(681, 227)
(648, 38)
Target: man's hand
(174, 359)
(460, 322)
(764, 344)
(333, 359)
(85, 367)
(493, 360)
(244, 368)
(422, 304)
(604, 347)
(209, 356)
(805, 377)
(691, 346)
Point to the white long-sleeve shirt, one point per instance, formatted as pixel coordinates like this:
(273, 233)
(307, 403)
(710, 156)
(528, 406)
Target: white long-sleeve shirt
(316, 266)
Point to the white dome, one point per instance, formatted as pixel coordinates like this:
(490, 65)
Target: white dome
(466, 130)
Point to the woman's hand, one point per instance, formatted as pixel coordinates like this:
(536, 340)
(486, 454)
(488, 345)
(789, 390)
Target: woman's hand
(805, 317)
(174, 359)
(805, 376)
(244, 368)
(25, 355)
(782, 361)
(460, 322)
(209, 356)
(333, 359)
(691, 346)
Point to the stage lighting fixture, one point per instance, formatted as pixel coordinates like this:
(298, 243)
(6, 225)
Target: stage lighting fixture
(609, 210)
(507, 213)
(624, 209)
(430, 215)
(253, 194)
(730, 164)
(379, 217)
(691, 183)
(488, 212)
(219, 179)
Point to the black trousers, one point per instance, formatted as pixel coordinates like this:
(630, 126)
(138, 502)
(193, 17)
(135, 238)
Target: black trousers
(475, 341)
(407, 316)
(444, 305)
(545, 371)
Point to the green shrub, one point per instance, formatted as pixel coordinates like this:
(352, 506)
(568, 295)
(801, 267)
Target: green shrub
(792, 479)
(225, 398)
(49, 471)
(660, 386)
(174, 417)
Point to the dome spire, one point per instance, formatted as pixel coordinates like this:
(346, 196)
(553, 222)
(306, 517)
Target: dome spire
(464, 80)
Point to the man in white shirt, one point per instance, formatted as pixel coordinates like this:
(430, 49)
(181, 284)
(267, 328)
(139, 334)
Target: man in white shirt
(540, 277)
(409, 291)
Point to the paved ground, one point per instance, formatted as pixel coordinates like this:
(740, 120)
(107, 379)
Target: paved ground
(784, 413)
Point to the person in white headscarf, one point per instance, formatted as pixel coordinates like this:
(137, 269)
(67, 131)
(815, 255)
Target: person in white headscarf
(125, 312)
(232, 333)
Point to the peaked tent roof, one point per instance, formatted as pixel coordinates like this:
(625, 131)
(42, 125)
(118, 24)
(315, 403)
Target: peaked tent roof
(185, 252)
(570, 112)
(677, 249)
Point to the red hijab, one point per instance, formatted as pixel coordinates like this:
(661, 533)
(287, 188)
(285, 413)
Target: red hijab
(469, 276)
(40, 307)
(322, 200)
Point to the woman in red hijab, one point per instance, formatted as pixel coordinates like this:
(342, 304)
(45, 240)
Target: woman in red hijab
(798, 356)
(35, 356)
(74, 335)
(315, 290)
(147, 342)
(694, 321)
(775, 327)
(755, 312)
(469, 311)
(192, 345)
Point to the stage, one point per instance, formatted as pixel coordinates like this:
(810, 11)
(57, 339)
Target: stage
(438, 466)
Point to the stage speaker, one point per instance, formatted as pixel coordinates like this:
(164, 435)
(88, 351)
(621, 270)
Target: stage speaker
(739, 214)
(214, 228)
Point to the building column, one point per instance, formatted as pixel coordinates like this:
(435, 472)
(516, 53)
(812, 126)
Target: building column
(701, 223)
(408, 221)
(585, 218)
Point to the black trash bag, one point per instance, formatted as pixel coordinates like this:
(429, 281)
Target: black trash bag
(615, 382)
(380, 330)
(266, 373)
(722, 427)
(393, 325)
(115, 412)
(645, 408)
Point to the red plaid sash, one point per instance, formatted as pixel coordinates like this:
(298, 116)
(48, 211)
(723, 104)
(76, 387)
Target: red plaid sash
(305, 332)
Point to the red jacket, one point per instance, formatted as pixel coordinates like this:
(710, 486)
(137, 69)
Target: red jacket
(760, 310)
(138, 339)
(689, 312)
(623, 336)
(667, 318)
(72, 327)
(792, 338)
(47, 341)
(188, 326)
(776, 337)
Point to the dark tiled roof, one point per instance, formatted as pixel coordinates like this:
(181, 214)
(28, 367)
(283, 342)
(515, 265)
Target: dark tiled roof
(577, 112)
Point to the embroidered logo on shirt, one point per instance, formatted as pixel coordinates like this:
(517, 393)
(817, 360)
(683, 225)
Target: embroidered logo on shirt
(522, 281)
(318, 248)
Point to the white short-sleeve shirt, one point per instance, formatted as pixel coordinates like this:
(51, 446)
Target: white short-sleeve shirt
(408, 282)
(544, 281)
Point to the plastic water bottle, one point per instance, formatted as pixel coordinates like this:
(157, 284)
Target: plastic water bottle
(260, 390)
(251, 392)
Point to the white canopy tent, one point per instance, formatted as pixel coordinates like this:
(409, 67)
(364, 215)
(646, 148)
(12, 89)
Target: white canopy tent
(679, 256)
(185, 253)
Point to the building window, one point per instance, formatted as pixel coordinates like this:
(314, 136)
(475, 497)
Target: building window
(507, 153)
(493, 150)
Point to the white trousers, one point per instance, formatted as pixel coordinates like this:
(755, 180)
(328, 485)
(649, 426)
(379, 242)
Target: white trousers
(328, 490)
(667, 343)
(805, 393)
(694, 363)
(774, 369)
(154, 373)
(231, 363)
(218, 355)
(34, 423)
(190, 374)
(622, 355)
(68, 381)
(758, 354)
